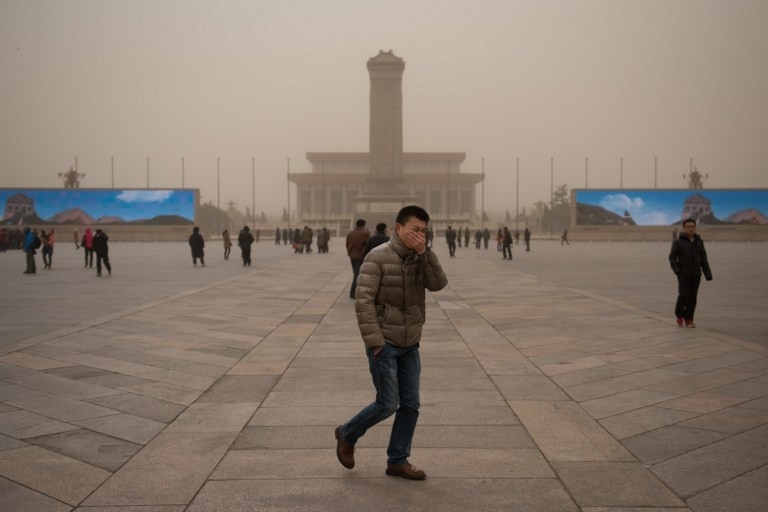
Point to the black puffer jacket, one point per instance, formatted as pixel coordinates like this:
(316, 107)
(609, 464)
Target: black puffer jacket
(390, 293)
(689, 258)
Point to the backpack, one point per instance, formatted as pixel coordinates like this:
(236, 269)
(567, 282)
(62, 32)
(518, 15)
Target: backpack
(37, 242)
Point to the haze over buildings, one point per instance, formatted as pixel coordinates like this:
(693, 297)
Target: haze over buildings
(274, 80)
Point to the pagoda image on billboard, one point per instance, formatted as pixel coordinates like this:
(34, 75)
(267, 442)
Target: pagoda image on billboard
(698, 208)
(374, 185)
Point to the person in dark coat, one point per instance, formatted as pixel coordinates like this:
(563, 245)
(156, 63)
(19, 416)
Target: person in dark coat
(245, 240)
(527, 239)
(459, 235)
(28, 246)
(486, 237)
(378, 238)
(450, 239)
(506, 244)
(285, 237)
(227, 243)
(466, 237)
(277, 236)
(297, 246)
(357, 239)
(564, 237)
(101, 249)
(688, 259)
(323, 237)
(196, 243)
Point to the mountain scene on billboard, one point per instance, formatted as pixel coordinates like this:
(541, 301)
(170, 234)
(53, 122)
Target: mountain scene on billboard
(747, 216)
(594, 215)
(156, 207)
(670, 207)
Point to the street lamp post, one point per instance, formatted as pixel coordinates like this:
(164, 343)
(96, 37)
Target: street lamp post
(253, 192)
(147, 172)
(551, 195)
(621, 172)
(517, 194)
(586, 173)
(288, 192)
(482, 196)
(218, 195)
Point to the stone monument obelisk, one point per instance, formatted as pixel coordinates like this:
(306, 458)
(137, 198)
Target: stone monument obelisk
(385, 190)
(386, 116)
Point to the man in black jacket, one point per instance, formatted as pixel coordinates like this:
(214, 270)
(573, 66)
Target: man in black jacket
(245, 240)
(197, 244)
(450, 238)
(378, 238)
(101, 248)
(688, 258)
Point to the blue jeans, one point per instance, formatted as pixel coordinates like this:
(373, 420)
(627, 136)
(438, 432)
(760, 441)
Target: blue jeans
(395, 372)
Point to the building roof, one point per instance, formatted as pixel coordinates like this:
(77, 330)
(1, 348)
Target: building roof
(18, 197)
(315, 156)
(697, 198)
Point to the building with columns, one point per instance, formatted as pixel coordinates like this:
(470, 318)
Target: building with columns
(342, 187)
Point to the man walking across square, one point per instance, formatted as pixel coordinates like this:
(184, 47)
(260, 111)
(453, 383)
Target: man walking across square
(390, 314)
(688, 258)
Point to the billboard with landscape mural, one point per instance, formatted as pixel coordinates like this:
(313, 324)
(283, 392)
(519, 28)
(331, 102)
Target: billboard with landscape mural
(656, 207)
(138, 207)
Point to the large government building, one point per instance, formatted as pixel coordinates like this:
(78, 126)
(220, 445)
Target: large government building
(345, 186)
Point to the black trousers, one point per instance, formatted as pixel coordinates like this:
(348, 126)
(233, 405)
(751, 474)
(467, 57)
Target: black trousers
(687, 289)
(507, 251)
(246, 255)
(356, 264)
(47, 256)
(103, 257)
(452, 249)
(31, 267)
(88, 257)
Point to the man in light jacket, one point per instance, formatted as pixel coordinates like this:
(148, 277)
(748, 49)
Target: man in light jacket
(389, 302)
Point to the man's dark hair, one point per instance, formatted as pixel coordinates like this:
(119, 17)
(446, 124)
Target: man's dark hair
(407, 212)
(246, 228)
(360, 223)
(686, 221)
(195, 229)
(380, 227)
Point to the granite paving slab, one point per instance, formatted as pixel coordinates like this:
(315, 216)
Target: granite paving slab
(62, 408)
(168, 471)
(746, 493)
(353, 495)
(715, 464)
(21, 424)
(614, 484)
(17, 498)
(144, 406)
(55, 475)
(125, 426)
(93, 448)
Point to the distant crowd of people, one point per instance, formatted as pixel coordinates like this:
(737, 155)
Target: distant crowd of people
(30, 241)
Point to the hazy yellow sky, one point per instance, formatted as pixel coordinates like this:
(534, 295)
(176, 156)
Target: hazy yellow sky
(274, 79)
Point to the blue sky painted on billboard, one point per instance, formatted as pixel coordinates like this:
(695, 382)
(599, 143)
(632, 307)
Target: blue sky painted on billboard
(130, 204)
(665, 207)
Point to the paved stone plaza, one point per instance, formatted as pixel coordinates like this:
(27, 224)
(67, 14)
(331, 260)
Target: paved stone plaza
(554, 382)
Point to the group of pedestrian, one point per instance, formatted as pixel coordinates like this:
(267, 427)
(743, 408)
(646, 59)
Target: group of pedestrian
(281, 235)
(95, 243)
